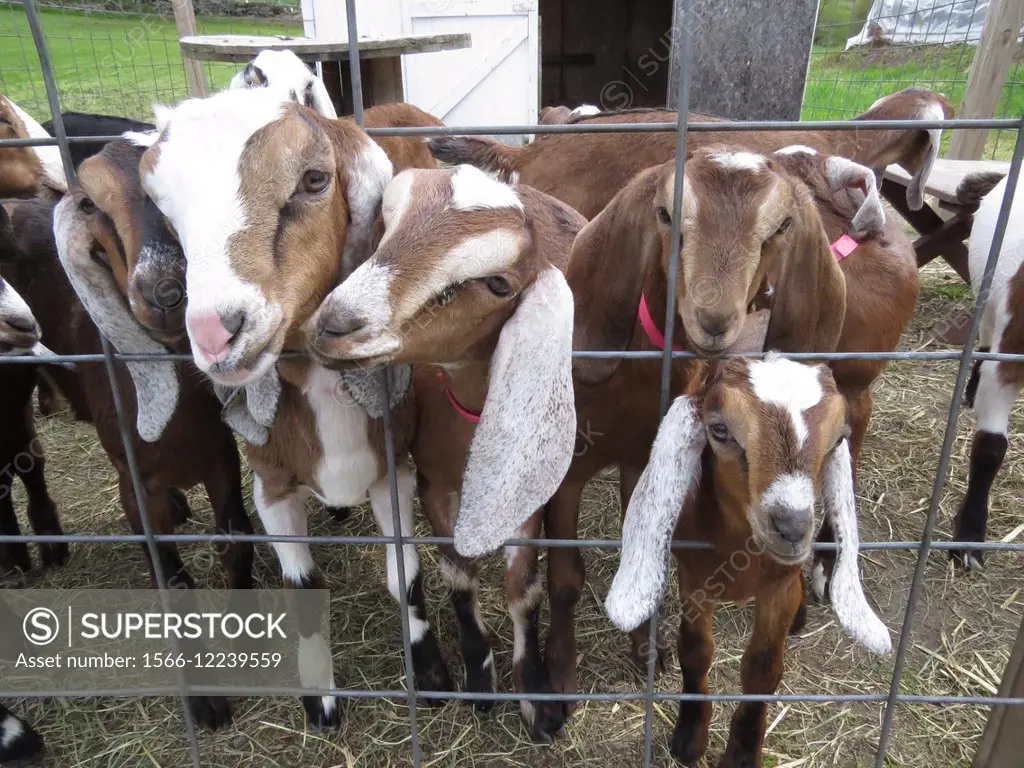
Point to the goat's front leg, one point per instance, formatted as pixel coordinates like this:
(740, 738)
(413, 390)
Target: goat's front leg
(566, 575)
(762, 672)
(14, 554)
(993, 402)
(524, 595)
(286, 516)
(223, 485)
(428, 664)
(696, 647)
(441, 507)
(42, 512)
(640, 637)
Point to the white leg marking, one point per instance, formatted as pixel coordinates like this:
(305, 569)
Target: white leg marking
(286, 517)
(10, 731)
(380, 502)
(994, 400)
(316, 669)
(819, 584)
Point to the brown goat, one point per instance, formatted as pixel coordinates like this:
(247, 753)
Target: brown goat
(468, 279)
(586, 170)
(739, 251)
(191, 447)
(743, 463)
(271, 216)
(21, 453)
(27, 171)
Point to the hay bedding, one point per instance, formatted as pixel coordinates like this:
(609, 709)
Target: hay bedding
(963, 636)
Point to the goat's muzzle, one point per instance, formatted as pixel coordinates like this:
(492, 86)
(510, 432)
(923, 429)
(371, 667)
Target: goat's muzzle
(18, 332)
(786, 532)
(158, 304)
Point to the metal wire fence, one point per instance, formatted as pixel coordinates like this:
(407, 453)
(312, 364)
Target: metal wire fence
(158, 51)
(844, 82)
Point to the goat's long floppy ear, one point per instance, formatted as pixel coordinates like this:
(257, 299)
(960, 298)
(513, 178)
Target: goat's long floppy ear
(848, 601)
(672, 472)
(364, 170)
(156, 383)
(527, 432)
(915, 150)
(317, 98)
(857, 182)
(809, 290)
(610, 260)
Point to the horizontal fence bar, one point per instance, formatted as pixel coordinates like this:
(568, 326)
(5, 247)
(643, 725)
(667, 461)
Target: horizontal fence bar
(581, 355)
(611, 696)
(260, 538)
(699, 127)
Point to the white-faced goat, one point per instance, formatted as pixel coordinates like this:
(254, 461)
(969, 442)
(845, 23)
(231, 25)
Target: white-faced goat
(468, 279)
(285, 74)
(994, 385)
(274, 205)
(740, 464)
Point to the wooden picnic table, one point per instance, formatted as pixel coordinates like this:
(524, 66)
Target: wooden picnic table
(940, 236)
(380, 59)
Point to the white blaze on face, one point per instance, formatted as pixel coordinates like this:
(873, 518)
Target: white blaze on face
(739, 161)
(790, 491)
(474, 190)
(195, 182)
(789, 385)
(796, 149)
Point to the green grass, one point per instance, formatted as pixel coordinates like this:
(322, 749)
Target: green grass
(115, 64)
(841, 85)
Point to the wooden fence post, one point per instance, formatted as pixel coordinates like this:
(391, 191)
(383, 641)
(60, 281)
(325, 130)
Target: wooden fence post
(991, 65)
(1003, 742)
(185, 21)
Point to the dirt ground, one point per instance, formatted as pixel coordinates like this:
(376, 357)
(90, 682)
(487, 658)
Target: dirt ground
(961, 641)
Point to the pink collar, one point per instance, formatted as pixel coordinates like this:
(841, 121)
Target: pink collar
(843, 247)
(654, 333)
(464, 412)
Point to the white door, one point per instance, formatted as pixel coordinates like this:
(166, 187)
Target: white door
(496, 82)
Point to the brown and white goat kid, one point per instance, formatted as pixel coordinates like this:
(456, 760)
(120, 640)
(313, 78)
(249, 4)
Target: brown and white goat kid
(586, 170)
(286, 74)
(468, 278)
(274, 205)
(743, 464)
(27, 171)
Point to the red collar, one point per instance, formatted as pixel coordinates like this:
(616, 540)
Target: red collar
(464, 412)
(650, 328)
(843, 247)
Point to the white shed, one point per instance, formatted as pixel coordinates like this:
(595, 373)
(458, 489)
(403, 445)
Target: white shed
(494, 82)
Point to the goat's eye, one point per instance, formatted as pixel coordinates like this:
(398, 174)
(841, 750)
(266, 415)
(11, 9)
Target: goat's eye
(87, 206)
(447, 296)
(497, 285)
(314, 182)
(663, 215)
(719, 431)
(784, 225)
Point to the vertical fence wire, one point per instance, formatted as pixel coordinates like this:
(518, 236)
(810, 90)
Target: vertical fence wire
(389, 438)
(32, 14)
(966, 361)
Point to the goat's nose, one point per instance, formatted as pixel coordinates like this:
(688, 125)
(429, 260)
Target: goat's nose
(162, 299)
(714, 323)
(22, 323)
(339, 324)
(213, 331)
(791, 524)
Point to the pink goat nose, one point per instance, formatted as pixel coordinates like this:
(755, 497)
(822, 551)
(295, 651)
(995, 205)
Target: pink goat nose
(213, 332)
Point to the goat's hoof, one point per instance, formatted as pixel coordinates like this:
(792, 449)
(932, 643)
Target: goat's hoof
(548, 721)
(340, 514)
(689, 742)
(745, 760)
(19, 744)
(180, 509)
(480, 679)
(15, 556)
(210, 712)
(430, 671)
(54, 555)
(968, 559)
(322, 712)
(639, 658)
